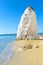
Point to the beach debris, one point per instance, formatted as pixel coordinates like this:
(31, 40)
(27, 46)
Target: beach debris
(28, 46)
(35, 46)
(20, 49)
(27, 28)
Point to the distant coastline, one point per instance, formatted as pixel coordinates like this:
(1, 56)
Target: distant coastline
(40, 33)
(7, 34)
(15, 34)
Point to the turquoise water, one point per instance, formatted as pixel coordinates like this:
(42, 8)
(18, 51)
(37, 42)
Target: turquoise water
(5, 40)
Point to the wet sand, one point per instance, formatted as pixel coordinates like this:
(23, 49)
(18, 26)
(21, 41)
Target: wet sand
(32, 56)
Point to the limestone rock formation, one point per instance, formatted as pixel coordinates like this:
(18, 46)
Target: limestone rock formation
(27, 28)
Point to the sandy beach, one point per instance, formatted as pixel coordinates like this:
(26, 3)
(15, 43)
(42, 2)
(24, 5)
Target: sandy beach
(32, 56)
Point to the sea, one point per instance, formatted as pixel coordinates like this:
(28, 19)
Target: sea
(6, 39)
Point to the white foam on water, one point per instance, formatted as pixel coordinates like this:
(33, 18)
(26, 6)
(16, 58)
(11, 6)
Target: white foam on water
(6, 55)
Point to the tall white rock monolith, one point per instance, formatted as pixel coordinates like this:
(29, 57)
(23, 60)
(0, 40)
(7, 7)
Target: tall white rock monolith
(27, 28)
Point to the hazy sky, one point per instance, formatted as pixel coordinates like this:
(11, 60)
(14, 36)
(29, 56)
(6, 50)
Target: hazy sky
(11, 11)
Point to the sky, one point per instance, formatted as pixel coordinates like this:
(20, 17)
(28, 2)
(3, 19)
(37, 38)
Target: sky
(11, 11)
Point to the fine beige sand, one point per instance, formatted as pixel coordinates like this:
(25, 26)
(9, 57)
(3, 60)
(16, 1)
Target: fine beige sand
(27, 56)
